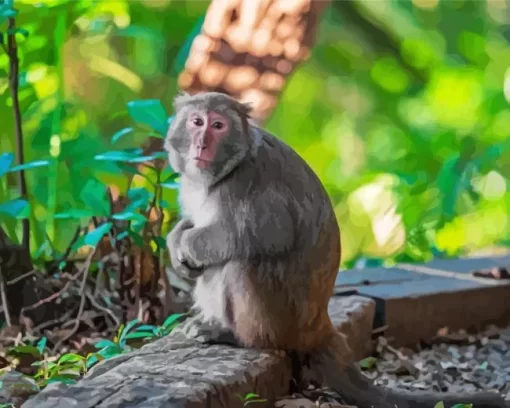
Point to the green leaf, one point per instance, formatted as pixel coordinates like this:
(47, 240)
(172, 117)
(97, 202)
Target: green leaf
(127, 156)
(75, 213)
(6, 160)
(21, 31)
(149, 112)
(59, 379)
(138, 197)
(160, 242)
(172, 319)
(13, 208)
(440, 404)
(93, 194)
(29, 165)
(93, 237)
(34, 351)
(70, 358)
(139, 335)
(104, 343)
(368, 363)
(121, 133)
(147, 327)
(171, 185)
(463, 406)
(127, 329)
(109, 352)
(41, 344)
(251, 395)
(129, 216)
(136, 237)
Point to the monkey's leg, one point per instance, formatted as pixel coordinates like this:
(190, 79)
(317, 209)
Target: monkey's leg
(207, 332)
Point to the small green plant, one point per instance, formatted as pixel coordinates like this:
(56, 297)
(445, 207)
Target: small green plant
(150, 332)
(440, 404)
(69, 367)
(368, 363)
(250, 398)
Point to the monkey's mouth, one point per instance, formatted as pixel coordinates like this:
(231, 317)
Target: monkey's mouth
(202, 162)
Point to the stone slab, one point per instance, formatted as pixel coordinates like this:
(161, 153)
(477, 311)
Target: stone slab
(176, 372)
(374, 276)
(468, 265)
(354, 316)
(415, 310)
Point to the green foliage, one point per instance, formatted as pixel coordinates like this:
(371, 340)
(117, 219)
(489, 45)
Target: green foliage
(70, 367)
(406, 126)
(250, 398)
(368, 363)
(440, 404)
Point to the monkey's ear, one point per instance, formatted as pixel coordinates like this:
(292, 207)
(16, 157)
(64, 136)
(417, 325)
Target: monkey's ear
(181, 99)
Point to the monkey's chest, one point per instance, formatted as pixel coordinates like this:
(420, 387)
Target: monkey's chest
(198, 206)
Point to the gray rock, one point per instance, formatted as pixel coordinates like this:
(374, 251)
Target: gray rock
(176, 372)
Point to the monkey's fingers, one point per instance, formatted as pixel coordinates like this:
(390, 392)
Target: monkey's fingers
(206, 332)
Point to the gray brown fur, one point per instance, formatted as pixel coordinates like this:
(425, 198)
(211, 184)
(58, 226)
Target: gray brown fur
(262, 229)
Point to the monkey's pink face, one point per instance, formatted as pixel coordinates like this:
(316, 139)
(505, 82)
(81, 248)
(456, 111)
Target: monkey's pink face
(207, 130)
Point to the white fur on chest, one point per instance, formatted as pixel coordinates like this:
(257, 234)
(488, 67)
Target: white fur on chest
(197, 204)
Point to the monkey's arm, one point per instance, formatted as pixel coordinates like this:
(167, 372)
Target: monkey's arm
(260, 228)
(174, 248)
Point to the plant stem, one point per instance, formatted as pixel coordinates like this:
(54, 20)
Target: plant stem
(12, 52)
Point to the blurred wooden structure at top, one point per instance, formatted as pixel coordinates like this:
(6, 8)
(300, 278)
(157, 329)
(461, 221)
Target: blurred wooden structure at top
(248, 48)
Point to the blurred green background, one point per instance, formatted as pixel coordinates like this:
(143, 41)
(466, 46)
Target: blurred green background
(401, 110)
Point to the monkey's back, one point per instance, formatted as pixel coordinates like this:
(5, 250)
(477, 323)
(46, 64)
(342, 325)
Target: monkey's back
(287, 296)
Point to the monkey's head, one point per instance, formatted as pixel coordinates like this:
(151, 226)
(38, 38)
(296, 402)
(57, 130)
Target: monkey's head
(209, 136)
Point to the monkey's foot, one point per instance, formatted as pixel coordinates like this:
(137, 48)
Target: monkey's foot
(207, 332)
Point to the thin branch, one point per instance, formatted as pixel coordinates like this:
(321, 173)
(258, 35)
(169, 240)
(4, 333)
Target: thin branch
(5, 305)
(12, 52)
(85, 271)
(21, 277)
(104, 309)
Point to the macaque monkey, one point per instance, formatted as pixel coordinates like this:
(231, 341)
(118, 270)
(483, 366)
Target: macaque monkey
(260, 235)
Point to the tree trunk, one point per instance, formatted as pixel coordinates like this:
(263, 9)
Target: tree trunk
(248, 49)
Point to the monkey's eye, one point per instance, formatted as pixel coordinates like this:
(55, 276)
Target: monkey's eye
(198, 122)
(217, 125)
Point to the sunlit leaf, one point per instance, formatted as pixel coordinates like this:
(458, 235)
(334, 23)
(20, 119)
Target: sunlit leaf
(21, 31)
(6, 160)
(93, 237)
(170, 184)
(74, 213)
(139, 335)
(160, 242)
(41, 344)
(126, 156)
(367, 363)
(13, 208)
(121, 133)
(129, 216)
(70, 358)
(93, 194)
(127, 329)
(149, 112)
(138, 198)
(172, 319)
(104, 343)
(29, 165)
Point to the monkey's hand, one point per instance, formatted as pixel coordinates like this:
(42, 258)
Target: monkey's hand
(181, 264)
(205, 246)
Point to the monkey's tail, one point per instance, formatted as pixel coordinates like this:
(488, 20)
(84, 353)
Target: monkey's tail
(336, 370)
